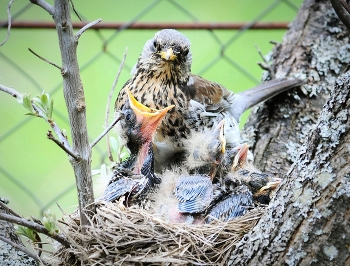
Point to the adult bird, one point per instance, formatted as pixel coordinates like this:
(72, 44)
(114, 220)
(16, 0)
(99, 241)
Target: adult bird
(162, 77)
(135, 177)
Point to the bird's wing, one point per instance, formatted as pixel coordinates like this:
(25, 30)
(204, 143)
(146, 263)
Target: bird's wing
(208, 92)
(234, 205)
(194, 193)
(119, 188)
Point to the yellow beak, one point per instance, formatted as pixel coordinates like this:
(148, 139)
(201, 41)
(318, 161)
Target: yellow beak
(168, 55)
(148, 116)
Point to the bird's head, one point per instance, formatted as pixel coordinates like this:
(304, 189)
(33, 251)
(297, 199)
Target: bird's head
(139, 121)
(168, 51)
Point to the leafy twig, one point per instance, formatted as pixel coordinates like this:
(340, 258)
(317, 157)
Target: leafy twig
(36, 227)
(42, 107)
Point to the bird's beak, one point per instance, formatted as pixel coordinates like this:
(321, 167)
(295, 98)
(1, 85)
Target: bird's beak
(150, 118)
(219, 130)
(222, 136)
(271, 185)
(168, 55)
(241, 156)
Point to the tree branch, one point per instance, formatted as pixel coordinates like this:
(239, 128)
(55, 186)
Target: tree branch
(44, 5)
(63, 142)
(75, 101)
(36, 227)
(61, 145)
(83, 29)
(8, 22)
(115, 121)
(11, 91)
(24, 250)
(9, 210)
(76, 13)
(110, 156)
(45, 60)
(345, 5)
(342, 13)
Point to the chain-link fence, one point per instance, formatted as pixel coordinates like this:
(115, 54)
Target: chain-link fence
(34, 173)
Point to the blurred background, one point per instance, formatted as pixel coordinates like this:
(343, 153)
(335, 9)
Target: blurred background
(34, 172)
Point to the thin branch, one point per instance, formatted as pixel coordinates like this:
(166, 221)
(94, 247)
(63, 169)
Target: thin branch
(11, 91)
(81, 31)
(110, 156)
(62, 142)
(44, 5)
(343, 15)
(9, 210)
(345, 5)
(61, 145)
(34, 226)
(76, 13)
(265, 66)
(24, 250)
(45, 60)
(115, 121)
(9, 19)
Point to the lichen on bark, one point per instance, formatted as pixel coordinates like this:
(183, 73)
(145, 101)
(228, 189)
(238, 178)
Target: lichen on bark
(303, 136)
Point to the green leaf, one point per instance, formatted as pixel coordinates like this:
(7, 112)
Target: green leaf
(49, 222)
(27, 103)
(31, 114)
(44, 98)
(26, 232)
(50, 109)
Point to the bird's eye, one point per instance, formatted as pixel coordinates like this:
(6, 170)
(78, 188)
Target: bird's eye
(185, 52)
(155, 44)
(128, 116)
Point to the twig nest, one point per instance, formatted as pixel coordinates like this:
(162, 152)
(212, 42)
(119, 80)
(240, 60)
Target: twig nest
(132, 236)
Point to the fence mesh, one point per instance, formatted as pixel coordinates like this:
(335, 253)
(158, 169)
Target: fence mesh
(34, 174)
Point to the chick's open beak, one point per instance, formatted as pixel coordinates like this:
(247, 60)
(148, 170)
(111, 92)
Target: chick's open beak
(149, 118)
(241, 156)
(168, 55)
(271, 185)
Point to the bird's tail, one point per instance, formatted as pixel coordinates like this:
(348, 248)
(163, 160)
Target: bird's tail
(247, 99)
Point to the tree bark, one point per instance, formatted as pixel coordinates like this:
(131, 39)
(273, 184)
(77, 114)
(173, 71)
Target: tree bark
(8, 254)
(307, 222)
(75, 101)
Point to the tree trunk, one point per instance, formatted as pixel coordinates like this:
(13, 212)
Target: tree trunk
(307, 222)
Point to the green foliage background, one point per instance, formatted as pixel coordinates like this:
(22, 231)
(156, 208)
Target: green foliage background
(34, 173)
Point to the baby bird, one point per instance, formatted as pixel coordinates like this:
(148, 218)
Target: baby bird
(135, 177)
(241, 189)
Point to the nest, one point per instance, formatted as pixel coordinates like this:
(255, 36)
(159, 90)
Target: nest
(130, 236)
